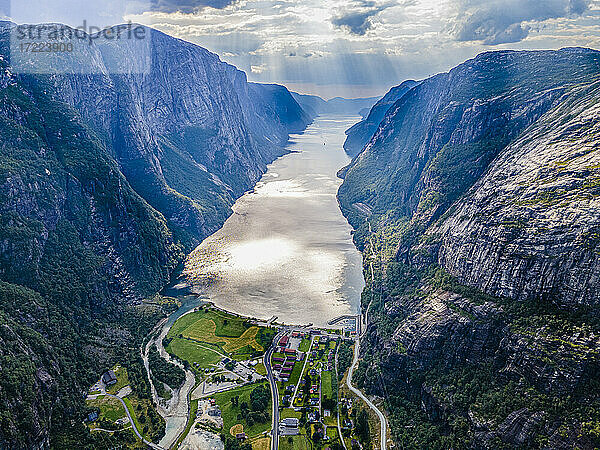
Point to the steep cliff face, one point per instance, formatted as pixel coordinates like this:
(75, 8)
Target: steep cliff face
(105, 180)
(77, 245)
(186, 123)
(479, 191)
(529, 228)
(360, 134)
(439, 138)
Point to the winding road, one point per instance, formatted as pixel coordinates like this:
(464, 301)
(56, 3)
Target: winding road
(382, 419)
(357, 391)
(135, 430)
(274, 392)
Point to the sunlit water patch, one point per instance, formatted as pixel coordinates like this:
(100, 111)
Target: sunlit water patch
(287, 250)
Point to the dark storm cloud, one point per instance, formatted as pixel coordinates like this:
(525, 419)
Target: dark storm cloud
(188, 6)
(358, 18)
(502, 21)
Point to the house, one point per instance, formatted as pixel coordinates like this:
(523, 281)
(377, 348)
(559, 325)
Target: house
(214, 411)
(312, 416)
(348, 423)
(290, 351)
(240, 436)
(92, 416)
(277, 359)
(109, 378)
(283, 342)
(314, 401)
(290, 422)
(289, 388)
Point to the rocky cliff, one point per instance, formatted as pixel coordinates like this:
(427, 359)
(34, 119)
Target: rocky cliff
(189, 132)
(105, 180)
(361, 133)
(475, 203)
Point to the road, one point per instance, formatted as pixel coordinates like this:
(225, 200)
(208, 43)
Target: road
(274, 392)
(382, 419)
(135, 430)
(338, 406)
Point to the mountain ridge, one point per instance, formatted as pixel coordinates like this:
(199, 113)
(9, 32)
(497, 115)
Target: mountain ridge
(479, 188)
(107, 180)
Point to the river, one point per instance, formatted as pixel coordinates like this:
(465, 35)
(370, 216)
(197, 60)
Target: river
(287, 250)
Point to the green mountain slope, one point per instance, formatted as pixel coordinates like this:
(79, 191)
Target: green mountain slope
(476, 203)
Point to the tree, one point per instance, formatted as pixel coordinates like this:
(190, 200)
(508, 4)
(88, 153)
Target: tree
(362, 427)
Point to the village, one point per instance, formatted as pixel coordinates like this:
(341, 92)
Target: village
(242, 368)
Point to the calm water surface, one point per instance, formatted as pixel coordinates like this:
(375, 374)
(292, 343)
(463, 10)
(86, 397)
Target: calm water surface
(287, 250)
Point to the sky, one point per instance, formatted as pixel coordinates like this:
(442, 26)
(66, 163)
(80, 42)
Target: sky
(350, 48)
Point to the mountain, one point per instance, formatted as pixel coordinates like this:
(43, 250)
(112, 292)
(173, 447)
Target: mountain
(315, 105)
(476, 203)
(190, 133)
(107, 178)
(361, 132)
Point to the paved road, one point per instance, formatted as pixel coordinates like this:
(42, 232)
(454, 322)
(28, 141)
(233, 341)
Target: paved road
(338, 406)
(135, 430)
(274, 392)
(382, 420)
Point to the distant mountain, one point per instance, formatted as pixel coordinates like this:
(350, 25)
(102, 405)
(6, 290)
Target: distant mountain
(106, 180)
(477, 203)
(315, 105)
(361, 133)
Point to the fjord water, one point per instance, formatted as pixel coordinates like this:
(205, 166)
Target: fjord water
(287, 251)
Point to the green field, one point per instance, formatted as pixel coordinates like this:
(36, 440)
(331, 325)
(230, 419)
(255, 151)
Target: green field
(304, 345)
(193, 335)
(294, 443)
(326, 389)
(289, 412)
(226, 325)
(261, 369)
(332, 432)
(110, 408)
(194, 352)
(230, 412)
(122, 379)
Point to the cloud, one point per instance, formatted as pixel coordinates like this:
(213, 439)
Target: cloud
(504, 21)
(188, 6)
(358, 18)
